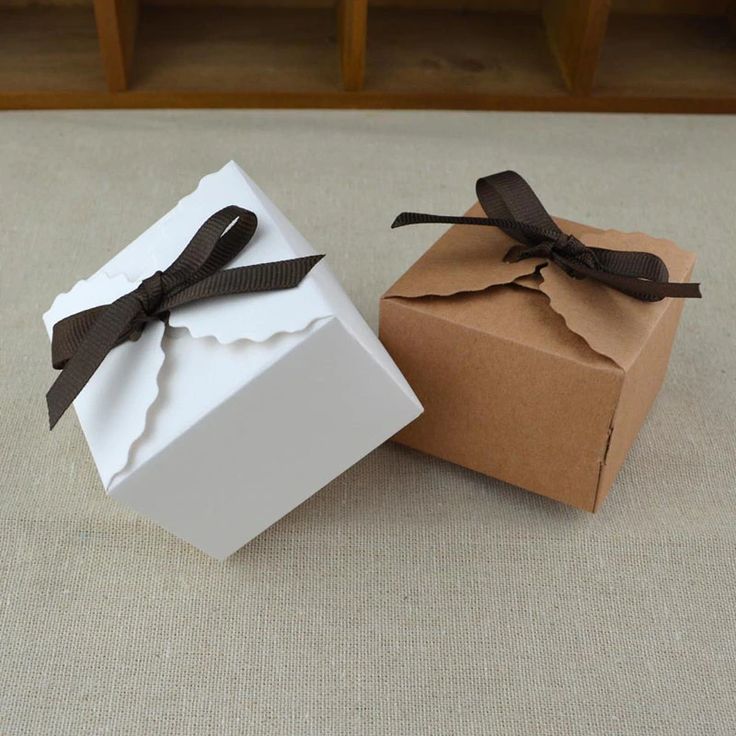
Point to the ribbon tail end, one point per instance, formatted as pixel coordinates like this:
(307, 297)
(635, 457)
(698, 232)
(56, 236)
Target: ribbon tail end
(54, 415)
(685, 291)
(59, 399)
(309, 263)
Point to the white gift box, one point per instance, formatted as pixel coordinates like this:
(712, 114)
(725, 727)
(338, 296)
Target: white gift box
(220, 423)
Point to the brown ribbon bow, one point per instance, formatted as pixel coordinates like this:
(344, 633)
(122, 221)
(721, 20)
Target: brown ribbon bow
(81, 341)
(512, 206)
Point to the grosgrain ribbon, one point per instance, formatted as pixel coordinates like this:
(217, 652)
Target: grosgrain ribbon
(512, 206)
(81, 341)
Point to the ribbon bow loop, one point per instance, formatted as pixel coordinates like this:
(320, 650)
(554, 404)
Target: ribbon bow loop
(81, 341)
(512, 206)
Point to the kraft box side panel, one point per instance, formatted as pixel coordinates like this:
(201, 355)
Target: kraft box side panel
(527, 417)
(642, 383)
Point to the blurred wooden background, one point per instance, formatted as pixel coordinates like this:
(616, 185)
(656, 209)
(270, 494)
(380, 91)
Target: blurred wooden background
(621, 55)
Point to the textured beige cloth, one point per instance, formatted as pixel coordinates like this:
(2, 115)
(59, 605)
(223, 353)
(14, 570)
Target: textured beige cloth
(409, 597)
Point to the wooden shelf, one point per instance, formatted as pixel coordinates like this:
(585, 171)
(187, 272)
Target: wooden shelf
(670, 56)
(420, 52)
(619, 55)
(236, 50)
(49, 49)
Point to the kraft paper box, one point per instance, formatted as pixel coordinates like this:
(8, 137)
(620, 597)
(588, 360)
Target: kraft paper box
(221, 422)
(525, 373)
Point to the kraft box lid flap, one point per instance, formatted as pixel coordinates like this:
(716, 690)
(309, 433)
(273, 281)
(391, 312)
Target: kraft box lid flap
(612, 323)
(471, 259)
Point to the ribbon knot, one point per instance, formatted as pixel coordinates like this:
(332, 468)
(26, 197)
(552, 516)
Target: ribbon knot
(150, 293)
(570, 247)
(81, 341)
(562, 249)
(512, 206)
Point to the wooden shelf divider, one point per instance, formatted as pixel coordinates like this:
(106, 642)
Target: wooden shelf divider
(352, 18)
(117, 23)
(576, 30)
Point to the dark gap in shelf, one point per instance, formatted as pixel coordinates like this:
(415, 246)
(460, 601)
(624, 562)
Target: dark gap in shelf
(223, 49)
(459, 52)
(668, 56)
(701, 8)
(49, 49)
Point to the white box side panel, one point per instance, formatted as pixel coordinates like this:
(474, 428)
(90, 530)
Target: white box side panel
(276, 442)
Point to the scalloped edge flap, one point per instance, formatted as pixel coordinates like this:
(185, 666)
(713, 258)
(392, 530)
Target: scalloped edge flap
(469, 258)
(124, 390)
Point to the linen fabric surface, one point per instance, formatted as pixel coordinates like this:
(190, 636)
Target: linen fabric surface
(410, 596)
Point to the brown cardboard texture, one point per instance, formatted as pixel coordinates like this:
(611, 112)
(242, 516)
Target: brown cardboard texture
(526, 374)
